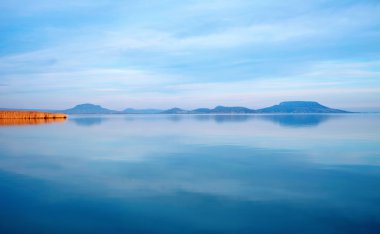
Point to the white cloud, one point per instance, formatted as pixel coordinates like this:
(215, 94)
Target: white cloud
(133, 61)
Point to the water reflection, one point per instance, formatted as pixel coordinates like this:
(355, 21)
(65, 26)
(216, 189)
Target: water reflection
(175, 118)
(88, 121)
(285, 120)
(191, 174)
(14, 122)
(299, 120)
(224, 118)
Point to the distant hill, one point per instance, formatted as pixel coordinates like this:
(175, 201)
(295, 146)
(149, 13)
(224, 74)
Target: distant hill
(299, 107)
(231, 110)
(216, 110)
(201, 111)
(223, 110)
(283, 107)
(175, 111)
(141, 111)
(89, 109)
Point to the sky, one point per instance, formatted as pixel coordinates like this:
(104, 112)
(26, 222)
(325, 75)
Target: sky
(192, 53)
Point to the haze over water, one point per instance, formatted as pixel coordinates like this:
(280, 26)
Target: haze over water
(192, 174)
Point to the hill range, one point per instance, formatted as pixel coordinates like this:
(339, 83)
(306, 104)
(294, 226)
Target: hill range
(294, 107)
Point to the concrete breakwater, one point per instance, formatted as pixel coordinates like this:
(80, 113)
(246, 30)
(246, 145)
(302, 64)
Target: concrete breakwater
(30, 115)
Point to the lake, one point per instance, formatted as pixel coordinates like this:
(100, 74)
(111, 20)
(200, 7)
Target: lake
(192, 174)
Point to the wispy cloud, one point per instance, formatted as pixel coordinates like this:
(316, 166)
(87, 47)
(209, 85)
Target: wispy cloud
(183, 53)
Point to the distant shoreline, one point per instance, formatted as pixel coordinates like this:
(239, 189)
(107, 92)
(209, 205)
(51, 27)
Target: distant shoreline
(227, 113)
(287, 107)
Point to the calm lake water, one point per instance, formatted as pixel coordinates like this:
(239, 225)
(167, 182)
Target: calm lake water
(192, 174)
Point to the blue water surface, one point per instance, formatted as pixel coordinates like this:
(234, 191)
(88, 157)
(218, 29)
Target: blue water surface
(192, 174)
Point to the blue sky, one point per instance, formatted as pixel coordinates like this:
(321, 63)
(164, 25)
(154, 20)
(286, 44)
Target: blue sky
(194, 53)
